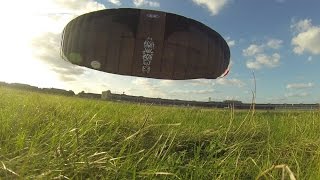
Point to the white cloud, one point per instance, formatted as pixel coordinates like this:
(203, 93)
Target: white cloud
(201, 91)
(297, 95)
(53, 15)
(274, 43)
(270, 61)
(201, 82)
(214, 6)
(252, 50)
(253, 64)
(192, 82)
(279, 99)
(234, 98)
(231, 82)
(116, 2)
(263, 60)
(150, 88)
(167, 82)
(47, 50)
(258, 57)
(139, 3)
(141, 82)
(301, 26)
(230, 42)
(75, 7)
(300, 85)
(187, 89)
(45, 44)
(307, 38)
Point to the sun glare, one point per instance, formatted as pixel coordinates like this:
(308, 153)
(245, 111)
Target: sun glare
(19, 28)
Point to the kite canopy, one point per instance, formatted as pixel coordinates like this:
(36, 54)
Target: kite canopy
(145, 43)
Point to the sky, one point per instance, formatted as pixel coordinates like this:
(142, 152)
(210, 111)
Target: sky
(275, 41)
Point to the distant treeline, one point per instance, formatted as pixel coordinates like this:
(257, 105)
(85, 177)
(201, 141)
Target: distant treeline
(37, 89)
(107, 95)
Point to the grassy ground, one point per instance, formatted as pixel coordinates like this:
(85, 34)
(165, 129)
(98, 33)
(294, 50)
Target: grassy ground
(47, 136)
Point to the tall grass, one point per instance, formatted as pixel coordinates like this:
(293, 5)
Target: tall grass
(48, 136)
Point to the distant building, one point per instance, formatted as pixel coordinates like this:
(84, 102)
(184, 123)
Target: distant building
(106, 95)
(89, 95)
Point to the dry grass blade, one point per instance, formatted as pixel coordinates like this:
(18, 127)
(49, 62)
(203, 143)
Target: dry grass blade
(164, 145)
(227, 156)
(254, 93)
(160, 173)
(97, 154)
(174, 124)
(116, 158)
(136, 133)
(61, 177)
(253, 103)
(230, 123)
(169, 146)
(9, 170)
(167, 174)
(284, 167)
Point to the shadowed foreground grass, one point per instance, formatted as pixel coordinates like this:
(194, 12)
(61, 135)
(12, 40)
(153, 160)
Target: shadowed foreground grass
(48, 136)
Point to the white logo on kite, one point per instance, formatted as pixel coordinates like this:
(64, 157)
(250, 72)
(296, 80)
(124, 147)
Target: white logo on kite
(147, 55)
(153, 15)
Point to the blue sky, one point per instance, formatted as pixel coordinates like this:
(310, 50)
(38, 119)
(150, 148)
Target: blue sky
(278, 40)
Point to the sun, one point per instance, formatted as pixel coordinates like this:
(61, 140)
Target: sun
(19, 26)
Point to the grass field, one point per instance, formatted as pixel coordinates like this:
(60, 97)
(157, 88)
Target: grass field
(54, 137)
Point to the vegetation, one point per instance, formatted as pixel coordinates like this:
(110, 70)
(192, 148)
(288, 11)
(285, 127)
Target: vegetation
(48, 136)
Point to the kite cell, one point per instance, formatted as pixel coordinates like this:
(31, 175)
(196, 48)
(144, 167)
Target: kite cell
(145, 43)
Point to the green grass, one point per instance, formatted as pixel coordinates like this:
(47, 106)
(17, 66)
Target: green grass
(47, 136)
